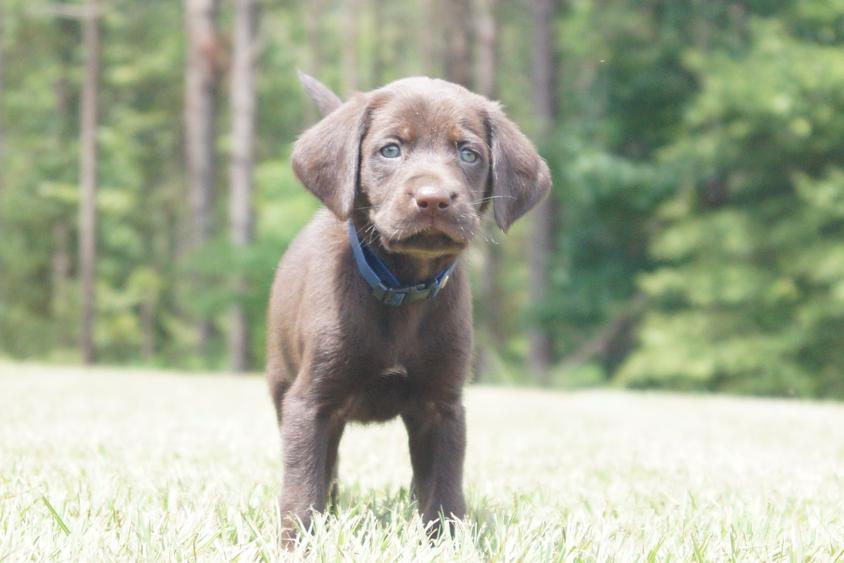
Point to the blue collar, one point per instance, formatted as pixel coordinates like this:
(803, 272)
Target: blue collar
(386, 287)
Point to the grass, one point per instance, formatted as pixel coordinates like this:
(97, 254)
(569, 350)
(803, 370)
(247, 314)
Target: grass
(105, 465)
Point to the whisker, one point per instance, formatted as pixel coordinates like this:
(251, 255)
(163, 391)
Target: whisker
(491, 197)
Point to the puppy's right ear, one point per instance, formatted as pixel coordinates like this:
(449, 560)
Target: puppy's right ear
(326, 156)
(325, 100)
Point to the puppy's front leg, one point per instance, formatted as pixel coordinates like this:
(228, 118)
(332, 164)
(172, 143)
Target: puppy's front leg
(306, 433)
(437, 438)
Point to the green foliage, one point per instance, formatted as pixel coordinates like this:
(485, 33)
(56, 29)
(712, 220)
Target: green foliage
(748, 295)
(142, 204)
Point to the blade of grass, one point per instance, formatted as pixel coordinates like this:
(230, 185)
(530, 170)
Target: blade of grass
(56, 516)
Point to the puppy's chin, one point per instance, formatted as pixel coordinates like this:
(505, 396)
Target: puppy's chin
(430, 243)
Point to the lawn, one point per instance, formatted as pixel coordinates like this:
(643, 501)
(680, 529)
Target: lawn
(105, 465)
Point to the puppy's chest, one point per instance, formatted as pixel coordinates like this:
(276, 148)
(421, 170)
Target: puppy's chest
(396, 340)
(393, 372)
(380, 396)
(398, 359)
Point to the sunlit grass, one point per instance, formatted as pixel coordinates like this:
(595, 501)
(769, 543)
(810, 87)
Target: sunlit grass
(128, 465)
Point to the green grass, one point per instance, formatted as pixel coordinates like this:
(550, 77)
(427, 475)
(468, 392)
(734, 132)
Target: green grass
(99, 465)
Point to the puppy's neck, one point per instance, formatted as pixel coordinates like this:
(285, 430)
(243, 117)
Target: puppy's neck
(410, 268)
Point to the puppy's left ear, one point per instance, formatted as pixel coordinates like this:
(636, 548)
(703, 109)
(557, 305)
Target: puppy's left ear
(520, 177)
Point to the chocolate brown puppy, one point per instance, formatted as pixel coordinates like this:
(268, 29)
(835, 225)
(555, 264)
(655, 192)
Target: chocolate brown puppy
(370, 316)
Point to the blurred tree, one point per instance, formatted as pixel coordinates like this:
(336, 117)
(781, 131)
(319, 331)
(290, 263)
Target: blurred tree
(350, 52)
(379, 43)
(748, 296)
(62, 259)
(491, 321)
(458, 41)
(205, 61)
(426, 37)
(88, 179)
(542, 242)
(627, 84)
(2, 95)
(244, 53)
(313, 14)
(486, 47)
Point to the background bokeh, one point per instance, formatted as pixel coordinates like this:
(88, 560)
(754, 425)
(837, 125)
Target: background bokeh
(693, 240)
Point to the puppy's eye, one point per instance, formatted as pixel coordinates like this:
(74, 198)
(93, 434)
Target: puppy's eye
(390, 151)
(468, 155)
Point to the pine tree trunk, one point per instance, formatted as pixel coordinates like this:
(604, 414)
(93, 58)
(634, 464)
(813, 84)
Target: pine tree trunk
(490, 317)
(60, 268)
(378, 43)
(2, 104)
(61, 264)
(242, 163)
(458, 39)
(312, 14)
(203, 58)
(545, 216)
(486, 35)
(88, 183)
(350, 48)
(426, 37)
(148, 329)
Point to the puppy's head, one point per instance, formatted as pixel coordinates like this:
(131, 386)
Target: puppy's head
(419, 160)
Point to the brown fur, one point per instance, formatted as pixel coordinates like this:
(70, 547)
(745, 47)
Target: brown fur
(335, 354)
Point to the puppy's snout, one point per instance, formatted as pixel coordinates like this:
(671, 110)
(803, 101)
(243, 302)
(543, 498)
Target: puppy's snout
(431, 199)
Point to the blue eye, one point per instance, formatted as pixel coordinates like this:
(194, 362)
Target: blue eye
(468, 155)
(390, 151)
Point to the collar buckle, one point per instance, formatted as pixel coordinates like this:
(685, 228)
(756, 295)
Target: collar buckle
(388, 295)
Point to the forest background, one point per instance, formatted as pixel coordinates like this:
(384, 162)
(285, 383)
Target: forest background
(693, 239)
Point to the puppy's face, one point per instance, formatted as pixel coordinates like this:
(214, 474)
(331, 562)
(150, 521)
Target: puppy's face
(424, 169)
(419, 159)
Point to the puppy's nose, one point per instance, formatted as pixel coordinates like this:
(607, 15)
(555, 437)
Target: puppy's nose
(431, 199)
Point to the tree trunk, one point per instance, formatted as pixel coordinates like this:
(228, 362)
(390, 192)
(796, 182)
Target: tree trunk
(2, 96)
(312, 14)
(490, 317)
(426, 36)
(88, 183)
(378, 43)
(458, 39)
(203, 59)
(61, 264)
(545, 216)
(350, 48)
(313, 18)
(148, 306)
(242, 163)
(486, 35)
(60, 268)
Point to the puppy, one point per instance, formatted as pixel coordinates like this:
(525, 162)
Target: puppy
(370, 315)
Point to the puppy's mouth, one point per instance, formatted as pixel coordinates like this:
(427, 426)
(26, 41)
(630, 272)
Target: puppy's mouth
(429, 242)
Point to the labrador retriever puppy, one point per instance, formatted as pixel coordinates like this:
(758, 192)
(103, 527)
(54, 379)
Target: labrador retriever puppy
(370, 315)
